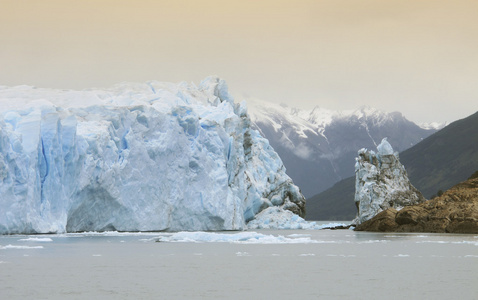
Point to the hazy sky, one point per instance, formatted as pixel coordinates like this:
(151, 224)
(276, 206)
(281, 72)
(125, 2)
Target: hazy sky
(415, 56)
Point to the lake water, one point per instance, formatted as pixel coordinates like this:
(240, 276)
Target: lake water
(263, 264)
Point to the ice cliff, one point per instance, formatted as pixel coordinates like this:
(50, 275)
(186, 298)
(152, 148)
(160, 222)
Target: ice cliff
(381, 182)
(135, 157)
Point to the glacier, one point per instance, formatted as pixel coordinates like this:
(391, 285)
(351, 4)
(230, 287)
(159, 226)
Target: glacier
(381, 182)
(135, 157)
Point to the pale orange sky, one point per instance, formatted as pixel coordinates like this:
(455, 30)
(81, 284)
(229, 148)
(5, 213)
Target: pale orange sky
(414, 56)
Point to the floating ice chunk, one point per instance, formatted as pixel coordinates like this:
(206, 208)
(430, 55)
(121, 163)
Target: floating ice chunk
(20, 247)
(239, 238)
(374, 242)
(41, 240)
(296, 235)
(277, 218)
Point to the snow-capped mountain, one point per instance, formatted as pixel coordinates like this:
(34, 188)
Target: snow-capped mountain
(318, 146)
(136, 157)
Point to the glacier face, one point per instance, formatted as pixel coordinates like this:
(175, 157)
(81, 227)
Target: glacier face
(136, 157)
(381, 182)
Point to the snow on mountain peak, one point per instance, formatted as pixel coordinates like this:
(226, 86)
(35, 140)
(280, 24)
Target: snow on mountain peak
(365, 111)
(433, 125)
(321, 117)
(277, 115)
(316, 119)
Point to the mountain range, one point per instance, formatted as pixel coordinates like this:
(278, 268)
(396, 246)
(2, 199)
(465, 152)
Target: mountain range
(318, 146)
(440, 161)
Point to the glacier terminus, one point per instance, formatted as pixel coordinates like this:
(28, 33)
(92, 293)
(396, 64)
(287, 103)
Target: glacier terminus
(136, 157)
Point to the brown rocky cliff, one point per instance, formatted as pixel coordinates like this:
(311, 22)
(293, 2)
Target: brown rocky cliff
(456, 211)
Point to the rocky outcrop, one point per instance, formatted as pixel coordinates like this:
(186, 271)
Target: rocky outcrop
(456, 211)
(381, 182)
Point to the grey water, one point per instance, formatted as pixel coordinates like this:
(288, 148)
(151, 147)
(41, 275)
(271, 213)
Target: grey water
(335, 264)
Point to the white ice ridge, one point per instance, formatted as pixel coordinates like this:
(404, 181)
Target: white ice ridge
(16, 247)
(135, 157)
(35, 239)
(244, 237)
(275, 217)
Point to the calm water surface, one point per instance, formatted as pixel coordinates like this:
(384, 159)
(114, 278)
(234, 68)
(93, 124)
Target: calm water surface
(333, 264)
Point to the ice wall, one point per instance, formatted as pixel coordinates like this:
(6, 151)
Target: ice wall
(136, 157)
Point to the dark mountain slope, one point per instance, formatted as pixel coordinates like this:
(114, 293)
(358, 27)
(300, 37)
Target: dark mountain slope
(335, 204)
(445, 158)
(438, 162)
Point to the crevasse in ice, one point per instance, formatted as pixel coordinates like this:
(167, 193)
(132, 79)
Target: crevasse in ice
(135, 157)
